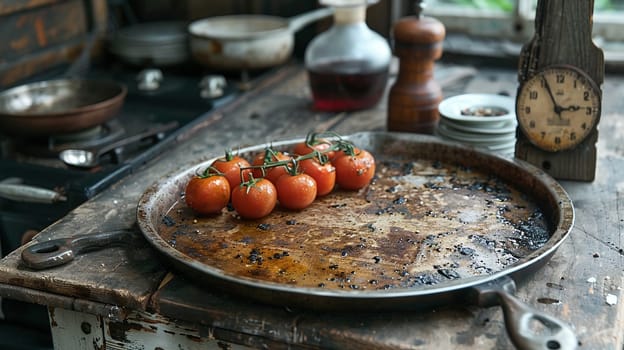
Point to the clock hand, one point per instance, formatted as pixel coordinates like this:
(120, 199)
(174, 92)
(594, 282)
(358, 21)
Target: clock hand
(572, 108)
(557, 108)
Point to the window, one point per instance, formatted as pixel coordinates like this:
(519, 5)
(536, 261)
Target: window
(501, 27)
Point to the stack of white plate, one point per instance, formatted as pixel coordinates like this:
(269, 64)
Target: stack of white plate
(486, 121)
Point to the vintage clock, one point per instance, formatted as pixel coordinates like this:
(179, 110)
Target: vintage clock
(558, 103)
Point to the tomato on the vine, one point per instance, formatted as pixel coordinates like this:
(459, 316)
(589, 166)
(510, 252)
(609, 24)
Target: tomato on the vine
(344, 151)
(309, 146)
(254, 199)
(230, 166)
(355, 171)
(295, 192)
(323, 174)
(207, 193)
(270, 173)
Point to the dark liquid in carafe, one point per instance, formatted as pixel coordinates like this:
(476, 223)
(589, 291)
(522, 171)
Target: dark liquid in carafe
(346, 85)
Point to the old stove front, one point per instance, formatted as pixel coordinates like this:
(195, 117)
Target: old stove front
(38, 188)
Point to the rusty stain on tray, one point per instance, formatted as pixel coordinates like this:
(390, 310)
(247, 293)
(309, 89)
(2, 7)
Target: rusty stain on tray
(418, 223)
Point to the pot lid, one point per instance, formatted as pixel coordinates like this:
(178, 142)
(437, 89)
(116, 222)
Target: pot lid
(152, 33)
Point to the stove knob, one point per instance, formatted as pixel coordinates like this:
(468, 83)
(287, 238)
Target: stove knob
(149, 79)
(212, 86)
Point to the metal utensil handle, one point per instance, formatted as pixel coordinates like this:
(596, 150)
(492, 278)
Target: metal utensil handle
(153, 131)
(73, 156)
(31, 194)
(519, 317)
(55, 252)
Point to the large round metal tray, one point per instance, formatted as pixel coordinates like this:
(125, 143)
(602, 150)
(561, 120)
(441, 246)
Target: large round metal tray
(312, 260)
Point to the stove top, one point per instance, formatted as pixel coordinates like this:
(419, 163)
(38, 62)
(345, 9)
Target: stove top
(37, 187)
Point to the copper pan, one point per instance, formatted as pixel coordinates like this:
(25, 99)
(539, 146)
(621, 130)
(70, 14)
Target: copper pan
(56, 107)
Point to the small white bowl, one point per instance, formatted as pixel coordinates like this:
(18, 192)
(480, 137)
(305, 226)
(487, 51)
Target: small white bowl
(458, 109)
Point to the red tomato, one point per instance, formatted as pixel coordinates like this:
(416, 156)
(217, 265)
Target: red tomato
(307, 147)
(340, 153)
(207, 194)
(295, 192)
(356, 171)
(271, 173)
(254, 199)
(231, 166)
(323, 174)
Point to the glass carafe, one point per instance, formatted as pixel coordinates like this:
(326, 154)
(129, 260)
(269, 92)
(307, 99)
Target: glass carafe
(348, 64)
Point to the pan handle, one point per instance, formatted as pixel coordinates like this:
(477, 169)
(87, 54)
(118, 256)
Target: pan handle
(298, 22)
(519, 317)
(55, 252)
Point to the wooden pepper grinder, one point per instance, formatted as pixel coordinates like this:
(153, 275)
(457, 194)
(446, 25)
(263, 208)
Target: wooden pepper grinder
(414, 97)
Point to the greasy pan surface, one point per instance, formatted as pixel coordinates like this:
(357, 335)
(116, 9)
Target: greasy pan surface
(436, 219)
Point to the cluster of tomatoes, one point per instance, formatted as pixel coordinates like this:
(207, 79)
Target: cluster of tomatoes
(293, 181)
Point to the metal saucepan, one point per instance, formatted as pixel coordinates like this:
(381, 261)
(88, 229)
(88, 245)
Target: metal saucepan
(60, 106)
(429, 249)
(152, 44)
(247, 42)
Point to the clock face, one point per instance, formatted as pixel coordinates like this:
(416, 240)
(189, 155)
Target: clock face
(557, 108)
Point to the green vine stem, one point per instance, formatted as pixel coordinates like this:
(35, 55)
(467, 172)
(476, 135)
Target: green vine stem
(208, 172)
(312, 139)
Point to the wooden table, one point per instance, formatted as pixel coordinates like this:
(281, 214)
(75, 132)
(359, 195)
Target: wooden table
(128, 298)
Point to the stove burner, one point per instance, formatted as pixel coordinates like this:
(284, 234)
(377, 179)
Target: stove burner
(50, 147)
(87, 134)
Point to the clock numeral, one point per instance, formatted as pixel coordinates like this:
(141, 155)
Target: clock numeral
(532, 124)
(586, 95)
(584, 126)
(543, 133)
(560, 78)
(572, 136)
(527, 110)
(589, 110)
(557, 140)
(574, 83)
(533, 95)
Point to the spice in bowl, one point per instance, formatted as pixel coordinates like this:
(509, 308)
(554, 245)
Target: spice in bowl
(484, 111)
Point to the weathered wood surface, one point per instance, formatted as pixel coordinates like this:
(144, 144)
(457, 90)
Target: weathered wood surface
(131, 277)
(562, 40)
(37, 35)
